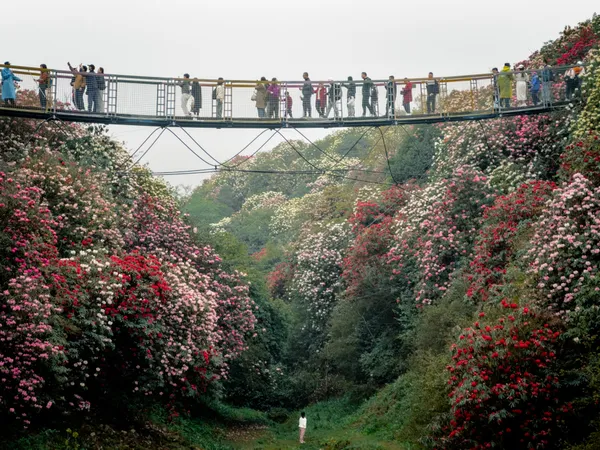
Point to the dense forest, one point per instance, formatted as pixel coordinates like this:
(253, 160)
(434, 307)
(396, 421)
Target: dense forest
(432, 286)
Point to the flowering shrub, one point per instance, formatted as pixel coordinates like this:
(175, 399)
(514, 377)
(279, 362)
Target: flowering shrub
(318, 266)
(504, 384)
(582, 157)
(564, 250)
(372, 224)
(502, 221)
(588, 120)
(436, 230)
(528, 141)
(103, 290)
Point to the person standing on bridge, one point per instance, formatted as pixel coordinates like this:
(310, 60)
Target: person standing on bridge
(79, 85)
(535, 88)
(44, 87)
(391, 90)
(220, 97)
(367, 88)
(274, 96)
(407, 97)
(9, 93)
(433, 89)
(307, 92)
(321, 100)
(186, 95)
(496, 95)
(92, 89)
(547, 78)
(260, 101)
(522, 81)
(375, 100)
(335, 96)
(196, 97)
(351, 101)
(505, 80)
(101, 88)
(289, 103)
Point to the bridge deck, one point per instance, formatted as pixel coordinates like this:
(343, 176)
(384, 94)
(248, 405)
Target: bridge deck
(127, 119)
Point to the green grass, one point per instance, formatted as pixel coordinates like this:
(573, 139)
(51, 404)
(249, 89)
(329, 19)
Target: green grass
(331, 426)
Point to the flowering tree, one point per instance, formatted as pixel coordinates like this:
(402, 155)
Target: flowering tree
(504, 384)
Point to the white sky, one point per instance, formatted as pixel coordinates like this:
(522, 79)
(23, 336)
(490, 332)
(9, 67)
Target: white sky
(247, 39)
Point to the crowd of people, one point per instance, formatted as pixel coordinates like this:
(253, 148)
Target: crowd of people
(270, 101)
(536, 82)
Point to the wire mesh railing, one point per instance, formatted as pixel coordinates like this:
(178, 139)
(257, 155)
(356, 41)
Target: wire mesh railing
(87, 91)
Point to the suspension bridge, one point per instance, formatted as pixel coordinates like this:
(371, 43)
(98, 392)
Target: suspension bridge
(206, 103)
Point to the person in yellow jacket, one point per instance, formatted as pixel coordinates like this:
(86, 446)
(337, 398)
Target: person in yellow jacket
(505, 80)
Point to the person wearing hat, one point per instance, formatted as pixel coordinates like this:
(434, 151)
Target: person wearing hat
(9, 93)
(505, 79)
(573, 80)
(522, 80)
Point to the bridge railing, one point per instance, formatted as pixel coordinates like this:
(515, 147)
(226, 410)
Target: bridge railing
(240, 100)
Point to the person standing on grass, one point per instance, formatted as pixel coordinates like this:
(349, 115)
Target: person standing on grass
(302, 426)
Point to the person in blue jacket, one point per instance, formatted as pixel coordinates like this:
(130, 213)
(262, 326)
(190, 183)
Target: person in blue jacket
(8, 85)
(535, 88)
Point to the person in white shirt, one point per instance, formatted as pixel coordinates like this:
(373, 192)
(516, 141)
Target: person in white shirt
(220, 94)
(302, 426)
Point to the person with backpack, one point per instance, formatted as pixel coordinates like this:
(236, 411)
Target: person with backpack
(367, 89)
(274, 96)
(351, 97)
(407, 97)
(186, 95)
(335, 96)
(219, 96)
(44, 90)
(391, 90)
(547, 77)
(433, 89)
(9, 93)
(307, 92)
(535, 88)
(573, 81)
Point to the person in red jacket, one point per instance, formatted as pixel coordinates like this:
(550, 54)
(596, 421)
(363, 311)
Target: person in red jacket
(321, 99)
(288, 105)
(407, 95)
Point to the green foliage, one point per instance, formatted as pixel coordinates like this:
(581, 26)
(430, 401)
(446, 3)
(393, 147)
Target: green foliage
(414, 156)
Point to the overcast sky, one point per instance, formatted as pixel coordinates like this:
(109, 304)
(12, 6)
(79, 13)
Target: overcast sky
(247, 39)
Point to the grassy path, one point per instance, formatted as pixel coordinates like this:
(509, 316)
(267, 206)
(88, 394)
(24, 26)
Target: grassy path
(330, 427)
